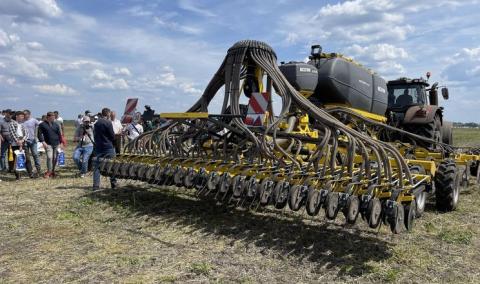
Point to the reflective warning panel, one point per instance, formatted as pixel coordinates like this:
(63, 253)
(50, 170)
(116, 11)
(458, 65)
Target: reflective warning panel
(257, 107)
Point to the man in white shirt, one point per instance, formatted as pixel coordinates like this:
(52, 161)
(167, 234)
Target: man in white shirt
(117, 130)
(133, 130)
(31, 126)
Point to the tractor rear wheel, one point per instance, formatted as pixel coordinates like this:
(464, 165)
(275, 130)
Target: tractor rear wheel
(447, 135)
(431, 130)
(447, 186)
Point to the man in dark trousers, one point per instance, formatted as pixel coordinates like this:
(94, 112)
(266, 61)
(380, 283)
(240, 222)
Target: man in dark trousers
(49, 134)
(104, 138)
(18, 137)
(5, 139)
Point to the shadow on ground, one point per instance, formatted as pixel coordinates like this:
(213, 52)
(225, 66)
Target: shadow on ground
(327, 245)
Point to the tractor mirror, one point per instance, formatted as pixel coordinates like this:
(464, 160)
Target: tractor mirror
(445, 93)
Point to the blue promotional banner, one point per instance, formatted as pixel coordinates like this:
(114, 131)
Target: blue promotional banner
(20, 162)
(61, 158)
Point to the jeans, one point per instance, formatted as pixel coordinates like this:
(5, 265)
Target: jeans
(102, 153)
(32, 147)
(81, 156)
(51, 157)
(3, 155)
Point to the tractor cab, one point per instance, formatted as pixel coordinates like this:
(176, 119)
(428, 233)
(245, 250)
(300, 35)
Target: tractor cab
(413, 106)
(404, 93)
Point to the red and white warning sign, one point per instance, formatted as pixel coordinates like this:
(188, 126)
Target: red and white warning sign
(257, 107)
(129, 112)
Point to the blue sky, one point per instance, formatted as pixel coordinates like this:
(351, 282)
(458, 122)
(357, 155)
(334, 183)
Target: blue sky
(76, 55)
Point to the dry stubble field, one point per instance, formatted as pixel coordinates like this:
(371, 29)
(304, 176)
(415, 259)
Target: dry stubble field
(58, 231)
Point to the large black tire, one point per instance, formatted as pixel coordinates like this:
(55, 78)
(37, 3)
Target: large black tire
(431, 130)
(447, 186)
(474, 168)
(447, 132)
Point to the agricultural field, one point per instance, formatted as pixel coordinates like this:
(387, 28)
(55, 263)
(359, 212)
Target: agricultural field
(57, 230)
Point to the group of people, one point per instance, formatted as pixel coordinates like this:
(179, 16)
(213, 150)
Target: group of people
(20, 132)
(84, 137)
(99, 135)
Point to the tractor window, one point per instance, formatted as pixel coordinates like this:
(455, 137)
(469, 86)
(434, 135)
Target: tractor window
(405, 95)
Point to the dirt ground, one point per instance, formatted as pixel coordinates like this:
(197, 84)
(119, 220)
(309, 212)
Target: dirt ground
(59, 231)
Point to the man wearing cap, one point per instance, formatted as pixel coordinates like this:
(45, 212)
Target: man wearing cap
(5, 139)
(84, 138)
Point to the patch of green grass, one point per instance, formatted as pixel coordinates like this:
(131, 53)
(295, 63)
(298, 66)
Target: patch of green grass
(68, 216)
(167, 279)
(462, 237)
(200, 268)
(429, 227)
(466, 137)
(131, 260)
(391, 275)
(86, 202)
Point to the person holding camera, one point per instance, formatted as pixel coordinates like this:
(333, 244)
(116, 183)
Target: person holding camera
(84, 137)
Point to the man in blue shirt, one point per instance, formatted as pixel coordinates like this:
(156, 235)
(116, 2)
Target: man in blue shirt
(104, 138)
(31, 125)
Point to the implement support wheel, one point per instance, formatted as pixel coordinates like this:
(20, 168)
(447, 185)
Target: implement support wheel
(331, 205)
(295, 200)
(410, 210)
(447, 186)
(313, 202)
(374, 212)
(280, 193)
(265, 191)
(396, 219)
(352, 209)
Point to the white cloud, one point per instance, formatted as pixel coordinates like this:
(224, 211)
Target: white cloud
(7, 80)
(390, 69)
(192, 7)
(77, 65)
(138, 11)
(57, 89)
(377, 52)
(464, 67)
(30, 9)
(7, 40)
(166, 81)
(98, 74)
(122, 71)
(172, 25)
(34, 45)
(355, 8)
(117, 84)
(350, 21)
(190, 89)
(23, 67)
(472, 53)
